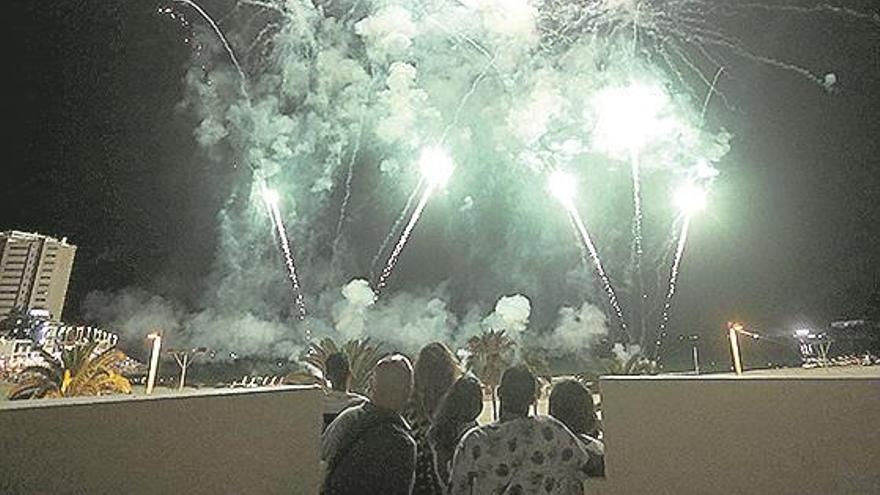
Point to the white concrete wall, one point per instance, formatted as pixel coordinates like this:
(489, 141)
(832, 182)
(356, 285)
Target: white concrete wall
(255, 441)
(755, 435)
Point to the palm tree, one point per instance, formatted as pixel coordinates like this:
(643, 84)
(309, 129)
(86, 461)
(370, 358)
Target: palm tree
(637, 364)
(79, 370)
(491, 353)
(18, 323)
(362, 356)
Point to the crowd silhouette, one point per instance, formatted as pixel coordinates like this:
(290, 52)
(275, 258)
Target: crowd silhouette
(417, 432)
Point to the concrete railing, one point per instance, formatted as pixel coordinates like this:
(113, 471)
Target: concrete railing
(254, 441)
(664, 435)
(755, 435)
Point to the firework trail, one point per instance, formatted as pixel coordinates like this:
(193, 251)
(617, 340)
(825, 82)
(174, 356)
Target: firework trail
(346, 198)
(229, 51)
(395, 227)
(682, 35)
(272, 204)
(637, 250)
(673, 282)
(404, 237)
(591, 256)
(269, 197)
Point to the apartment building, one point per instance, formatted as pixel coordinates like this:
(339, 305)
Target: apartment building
(34, 272)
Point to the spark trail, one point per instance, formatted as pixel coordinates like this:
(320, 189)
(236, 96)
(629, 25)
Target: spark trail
(591, 256)
(404, 237)
(673, 281)
(271, 199)
(637, 249)
(685, 36)
(395, 227)
(229, 51)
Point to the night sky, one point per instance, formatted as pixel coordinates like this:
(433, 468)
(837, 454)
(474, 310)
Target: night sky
(97, 150)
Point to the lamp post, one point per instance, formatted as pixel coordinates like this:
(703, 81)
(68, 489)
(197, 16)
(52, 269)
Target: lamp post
(156, 337)
(733, 329)
(694, 340)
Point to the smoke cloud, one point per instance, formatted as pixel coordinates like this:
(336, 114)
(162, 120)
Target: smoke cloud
(340, 99)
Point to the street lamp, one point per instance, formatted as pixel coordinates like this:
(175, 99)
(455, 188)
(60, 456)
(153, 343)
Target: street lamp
(733, 329)
(694, 340)
(156, 337)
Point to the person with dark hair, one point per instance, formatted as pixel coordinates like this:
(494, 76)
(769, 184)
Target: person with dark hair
(457, 414)
(339, 397)
(436, 369)
(369, 449)
(572, 404)
(519, 453)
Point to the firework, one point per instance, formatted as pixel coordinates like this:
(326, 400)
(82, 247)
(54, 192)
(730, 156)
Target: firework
(436, 167)
(273, 204)
(512, 84)
(689, 199)
(562, 186)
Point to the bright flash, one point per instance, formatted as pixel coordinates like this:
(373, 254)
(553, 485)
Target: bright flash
(562, 186)
(690, 198)
(630, 117)
(436, 165)
(271, 196)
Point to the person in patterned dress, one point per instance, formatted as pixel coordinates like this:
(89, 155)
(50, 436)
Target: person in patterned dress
(518, 454)
(436, 369)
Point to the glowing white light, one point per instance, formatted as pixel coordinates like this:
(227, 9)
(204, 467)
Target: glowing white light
(271, 196)
(436, 165)
(562, 186)
(802, 332)
(690, 198)
(630, 117)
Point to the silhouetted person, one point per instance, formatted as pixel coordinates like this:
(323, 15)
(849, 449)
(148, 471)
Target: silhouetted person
(436, 369)
(519, 454)
(572, 404)
(368, 449)
(457, 414)
(339, 397)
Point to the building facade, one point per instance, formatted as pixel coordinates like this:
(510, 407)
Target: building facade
(34, 272)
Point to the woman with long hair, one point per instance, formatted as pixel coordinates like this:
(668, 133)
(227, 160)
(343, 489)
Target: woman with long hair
(436, 369)
(457, 414)
(572, 404)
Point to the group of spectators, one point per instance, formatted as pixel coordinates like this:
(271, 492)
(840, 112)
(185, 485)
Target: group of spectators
(417, 433)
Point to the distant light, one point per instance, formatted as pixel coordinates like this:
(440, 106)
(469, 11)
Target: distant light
(802, 332)
(562, 186)
(436, 165)
(690, 198)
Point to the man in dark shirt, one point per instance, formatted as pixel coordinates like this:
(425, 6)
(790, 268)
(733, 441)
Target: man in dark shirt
(368, 449)
(339, 397)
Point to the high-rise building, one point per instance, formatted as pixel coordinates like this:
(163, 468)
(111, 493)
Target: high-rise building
(34, 272)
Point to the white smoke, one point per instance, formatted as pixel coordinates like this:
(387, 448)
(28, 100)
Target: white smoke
(577, 329)
(624, 353)
(404, 321)
(351, 313)
(511, 314)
